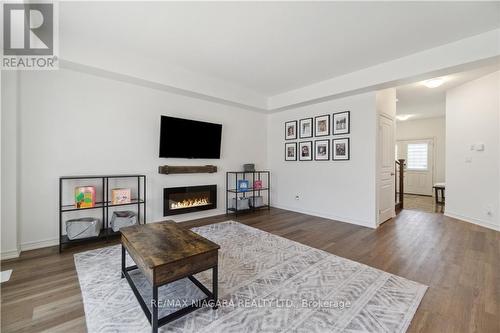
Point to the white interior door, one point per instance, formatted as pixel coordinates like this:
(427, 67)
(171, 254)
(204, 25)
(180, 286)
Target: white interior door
(418, 176)
(386, 168)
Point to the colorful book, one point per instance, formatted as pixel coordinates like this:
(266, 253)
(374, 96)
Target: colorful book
(85, 196)
(120, 196)
(243, 185)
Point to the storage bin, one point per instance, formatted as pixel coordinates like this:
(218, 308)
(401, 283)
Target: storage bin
(84, 227)
(256, 202)
(123, 219)
(243, 203)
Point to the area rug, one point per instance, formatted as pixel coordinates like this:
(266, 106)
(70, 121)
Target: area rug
(266, 284)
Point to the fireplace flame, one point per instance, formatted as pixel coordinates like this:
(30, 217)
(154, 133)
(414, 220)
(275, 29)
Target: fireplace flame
(186, 203)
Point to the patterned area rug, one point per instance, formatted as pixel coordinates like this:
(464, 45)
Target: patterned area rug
(266, 284)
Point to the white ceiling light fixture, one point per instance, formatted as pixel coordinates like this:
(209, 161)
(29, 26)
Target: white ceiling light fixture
(433, 83)
(403, 117)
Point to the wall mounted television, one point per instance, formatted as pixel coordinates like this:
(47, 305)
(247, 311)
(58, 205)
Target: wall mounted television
(184, 138)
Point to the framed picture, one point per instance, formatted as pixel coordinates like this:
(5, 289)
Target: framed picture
(291, 130)
(305, 151)
(306, 128)
(341, 149)
(243, 185)
(291, 151)
(322, 125)
(341, 123)
(322, 150)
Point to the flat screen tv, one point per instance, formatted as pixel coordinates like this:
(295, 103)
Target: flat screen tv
(184, 138)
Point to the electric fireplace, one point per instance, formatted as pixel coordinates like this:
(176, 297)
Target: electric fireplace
(181, 200)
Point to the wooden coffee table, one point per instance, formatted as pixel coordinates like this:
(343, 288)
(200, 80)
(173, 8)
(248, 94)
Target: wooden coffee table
(165, 252)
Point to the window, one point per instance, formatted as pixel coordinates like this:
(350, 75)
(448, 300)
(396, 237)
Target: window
(417, 156)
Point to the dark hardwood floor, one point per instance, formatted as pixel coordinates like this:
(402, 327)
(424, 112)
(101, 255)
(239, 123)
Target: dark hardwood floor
(460, 263)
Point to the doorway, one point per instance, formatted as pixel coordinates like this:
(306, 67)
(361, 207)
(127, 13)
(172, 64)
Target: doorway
(419, 170)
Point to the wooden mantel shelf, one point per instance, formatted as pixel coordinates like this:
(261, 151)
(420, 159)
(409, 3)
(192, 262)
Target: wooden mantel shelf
(176, 169)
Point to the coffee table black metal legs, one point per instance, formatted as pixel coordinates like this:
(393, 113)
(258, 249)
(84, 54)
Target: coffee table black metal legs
(152, 315)
(154, 310)
(215, 291)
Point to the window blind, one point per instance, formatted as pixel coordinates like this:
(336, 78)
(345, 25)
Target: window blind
(417, 156)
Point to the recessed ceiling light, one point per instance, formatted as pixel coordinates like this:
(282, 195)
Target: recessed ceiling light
(403, 117)
(433, 83)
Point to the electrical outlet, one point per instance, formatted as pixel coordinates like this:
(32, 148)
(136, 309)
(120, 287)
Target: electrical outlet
(489, 210)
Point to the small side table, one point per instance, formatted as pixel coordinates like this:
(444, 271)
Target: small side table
(166, 252)
(439, 189)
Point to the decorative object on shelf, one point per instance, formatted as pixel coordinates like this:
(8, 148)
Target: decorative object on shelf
(306, 128)
(243, 185)
(322, 125)
(84, 227)
(85, 196)
(249, 167)
(305, 151)
(261, 181)
(173, 169)
(256, 202)
(102, 203)
(341, 123)
(291, 151)
(120, 196)
(341, 149)
(291, 130)
(122, 219)
(240, 203)
(322, 150)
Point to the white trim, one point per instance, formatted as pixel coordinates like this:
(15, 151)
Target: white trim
(11, 254)
(54, 241)
(328, 216)
(473, 220)
(39, 244)
(6, 275)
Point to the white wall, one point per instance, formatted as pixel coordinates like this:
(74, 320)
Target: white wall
(340, 190)
(9, 175)
(428, 128)
(74, 123)
(472, 177)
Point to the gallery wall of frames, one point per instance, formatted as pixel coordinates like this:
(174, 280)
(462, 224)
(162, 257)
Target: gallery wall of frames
(322, 138)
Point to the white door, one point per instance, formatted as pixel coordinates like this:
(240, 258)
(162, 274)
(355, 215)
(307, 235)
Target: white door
(386, 168)
(418, 176)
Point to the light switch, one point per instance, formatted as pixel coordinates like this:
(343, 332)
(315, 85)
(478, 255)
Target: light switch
(480, 147)
(472, 147)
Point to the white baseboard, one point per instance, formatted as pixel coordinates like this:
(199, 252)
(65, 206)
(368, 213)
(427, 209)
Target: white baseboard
(472, 220)
(39, 244)
(328, 216)
(54, 241)
(10, 254)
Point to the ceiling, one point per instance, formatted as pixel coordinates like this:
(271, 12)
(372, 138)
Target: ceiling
(269, 47)
(417, 101)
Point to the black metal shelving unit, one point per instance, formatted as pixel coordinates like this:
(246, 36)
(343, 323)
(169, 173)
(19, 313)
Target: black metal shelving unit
(106, 232)
(251, 176)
